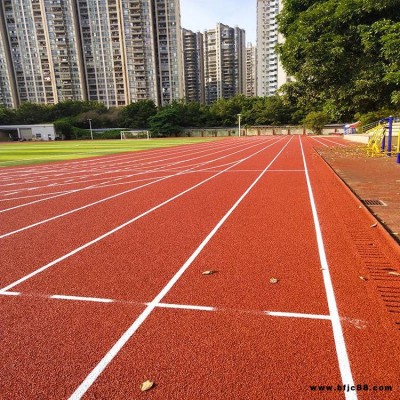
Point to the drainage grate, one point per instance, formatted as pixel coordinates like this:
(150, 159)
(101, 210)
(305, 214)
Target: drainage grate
(374, 203)
(380, 270)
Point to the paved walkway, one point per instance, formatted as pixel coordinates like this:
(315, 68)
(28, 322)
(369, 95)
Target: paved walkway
(370, 178)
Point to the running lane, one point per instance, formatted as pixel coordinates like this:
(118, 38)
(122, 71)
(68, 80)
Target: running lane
(37, 246)
(137, 306)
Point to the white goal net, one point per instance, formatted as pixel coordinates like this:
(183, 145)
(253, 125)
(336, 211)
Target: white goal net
(135, 135)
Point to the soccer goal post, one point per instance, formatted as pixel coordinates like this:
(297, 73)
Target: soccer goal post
(135, 135)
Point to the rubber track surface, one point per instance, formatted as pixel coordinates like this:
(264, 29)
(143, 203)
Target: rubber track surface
(233, 334)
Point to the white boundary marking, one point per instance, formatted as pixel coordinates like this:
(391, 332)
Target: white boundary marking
(328, 140)
(100, 367)
(343, 358)
(172, 306)
(334, 142)
(118, 228)
(324, 144)
(296, 315)
(184, 307)
(80, 298)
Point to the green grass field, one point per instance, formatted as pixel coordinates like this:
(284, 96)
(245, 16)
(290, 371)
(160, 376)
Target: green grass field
(25, 153)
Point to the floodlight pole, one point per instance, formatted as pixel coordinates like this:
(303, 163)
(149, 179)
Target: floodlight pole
(239, 115)
(91, 131)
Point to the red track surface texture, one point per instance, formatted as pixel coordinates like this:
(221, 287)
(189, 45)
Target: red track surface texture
(102, 284)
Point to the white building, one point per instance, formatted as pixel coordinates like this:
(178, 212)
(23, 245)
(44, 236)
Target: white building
(29, 132)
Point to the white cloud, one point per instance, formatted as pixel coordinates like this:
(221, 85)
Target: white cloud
(198, 15)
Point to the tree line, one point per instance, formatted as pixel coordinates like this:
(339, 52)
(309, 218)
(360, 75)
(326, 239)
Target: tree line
(71, 118)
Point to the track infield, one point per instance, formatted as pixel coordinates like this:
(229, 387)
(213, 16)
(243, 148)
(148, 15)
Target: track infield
(232, 269)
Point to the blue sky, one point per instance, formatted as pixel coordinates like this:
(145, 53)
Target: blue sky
(198, 15)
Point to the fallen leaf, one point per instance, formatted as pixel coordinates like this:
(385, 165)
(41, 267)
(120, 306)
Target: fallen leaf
(146, 386)
(210, 272)
(274, 280)
(363, 278)
(374, 225)
(394, 273)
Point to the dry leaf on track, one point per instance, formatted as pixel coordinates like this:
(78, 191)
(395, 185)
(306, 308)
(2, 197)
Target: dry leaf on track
(146, 386)
(210, 272)
(395, 273)
(274, 280)
(374, 225)
(363, 278)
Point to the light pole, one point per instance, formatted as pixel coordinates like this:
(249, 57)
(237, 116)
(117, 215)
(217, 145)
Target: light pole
(91, 131)
(239, 115)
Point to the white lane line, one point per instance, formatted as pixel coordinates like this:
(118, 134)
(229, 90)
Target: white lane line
(102, 167)
(333, 141)
(101, 366)
(343, 358)
(122, 193)
(80, 298)
(296, 315)
(172, 306)
(183, 307)
(118, 228)
(100, 185)
(111, 157)
(324, 144)
(321, 139)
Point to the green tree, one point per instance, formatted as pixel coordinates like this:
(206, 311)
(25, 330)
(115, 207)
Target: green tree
(137, 115)
(336, 54)
(72, 108)
(65, 127)
(7, 116)
(33, 113)
(167, 122)
(315, 121)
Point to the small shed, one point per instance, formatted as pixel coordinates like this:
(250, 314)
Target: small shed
(28, 132)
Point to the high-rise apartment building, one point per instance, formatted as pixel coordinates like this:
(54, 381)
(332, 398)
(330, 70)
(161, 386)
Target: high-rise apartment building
(270, 73)
(169, 41)
(8, 92)
(111, 51)
(41, 36)
(240, 60)
(193, 65)
(103, 51)
(224, 59)
(251, 70)
(132, 50)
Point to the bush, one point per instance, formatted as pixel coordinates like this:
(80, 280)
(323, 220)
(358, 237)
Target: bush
(374, 116)
(316, 120)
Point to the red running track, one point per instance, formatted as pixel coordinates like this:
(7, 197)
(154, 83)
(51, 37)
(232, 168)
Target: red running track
(99, 300)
